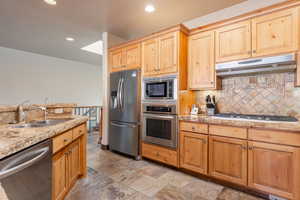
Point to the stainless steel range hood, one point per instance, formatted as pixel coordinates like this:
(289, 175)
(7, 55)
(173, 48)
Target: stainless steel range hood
(282, 63)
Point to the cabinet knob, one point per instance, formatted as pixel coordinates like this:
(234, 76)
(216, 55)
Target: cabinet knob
(254, 51)
(244, 147)
(250, 148)
(193, 128)
(65, 140)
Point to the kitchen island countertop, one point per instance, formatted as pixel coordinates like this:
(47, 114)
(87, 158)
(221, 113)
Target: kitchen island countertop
(13, 140)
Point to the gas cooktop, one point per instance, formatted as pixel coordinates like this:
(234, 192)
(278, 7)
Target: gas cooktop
(257, 117)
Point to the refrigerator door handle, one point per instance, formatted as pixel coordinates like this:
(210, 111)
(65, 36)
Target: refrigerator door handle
(118, 94)
(121, 93)
(123, 125)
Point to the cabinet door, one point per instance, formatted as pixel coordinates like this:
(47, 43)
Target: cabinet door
(168, 53)
(274, 169)
(233, 42)
(193, 152)
(74, 162)
(201, 67)
(116, 60)
(276, 33)
(150, 57)
(228, 159)
(133, 56)
(60, 175)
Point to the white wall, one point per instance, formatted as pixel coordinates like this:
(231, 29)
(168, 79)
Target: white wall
(233, 11)
(25, 75)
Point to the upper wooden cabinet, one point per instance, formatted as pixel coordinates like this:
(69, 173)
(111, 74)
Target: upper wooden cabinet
(116, 60)
(274, 169)
(164, 54)
(168, 49)
(125, 58)
(133, 56)
(233, 42)
(150, 57)
(228, 159)
(276, 33)
(201, 61)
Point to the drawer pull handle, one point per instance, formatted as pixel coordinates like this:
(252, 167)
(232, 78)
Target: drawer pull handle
(244, 147)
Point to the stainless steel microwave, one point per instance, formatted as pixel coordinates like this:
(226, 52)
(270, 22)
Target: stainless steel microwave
(160, 88)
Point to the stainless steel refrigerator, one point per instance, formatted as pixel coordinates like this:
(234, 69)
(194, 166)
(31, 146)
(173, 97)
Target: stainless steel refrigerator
(124, 112)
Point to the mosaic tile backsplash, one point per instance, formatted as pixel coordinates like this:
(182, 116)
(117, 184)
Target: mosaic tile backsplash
(268, 94)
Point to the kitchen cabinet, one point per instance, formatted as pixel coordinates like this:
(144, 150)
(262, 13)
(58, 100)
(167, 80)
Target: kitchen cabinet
(69, 162)
(60, 176)
(228, 159)
(275, 33)
(74, 162)
(133, 56)
(125, 58)
(274, 169)
(164, 53)
(201, 61)
(233, 42)
(150, 57)
(161, 154)
(168, 49)
(116, 60)
(193, 152)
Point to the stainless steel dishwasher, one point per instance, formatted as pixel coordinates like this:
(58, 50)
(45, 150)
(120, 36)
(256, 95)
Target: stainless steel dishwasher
(27, 174)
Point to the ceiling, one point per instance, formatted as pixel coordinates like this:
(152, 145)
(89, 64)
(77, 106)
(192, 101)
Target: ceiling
(32, 25)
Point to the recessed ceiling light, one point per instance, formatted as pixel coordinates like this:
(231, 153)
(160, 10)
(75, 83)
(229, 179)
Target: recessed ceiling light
(96, 47)
(70, 39)
(149, 8)
(50, 2)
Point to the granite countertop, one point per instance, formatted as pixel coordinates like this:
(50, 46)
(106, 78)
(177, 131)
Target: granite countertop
(13, 140)
(285, 126)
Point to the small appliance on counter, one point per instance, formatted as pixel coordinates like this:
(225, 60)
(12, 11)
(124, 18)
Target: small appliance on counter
(211, 105)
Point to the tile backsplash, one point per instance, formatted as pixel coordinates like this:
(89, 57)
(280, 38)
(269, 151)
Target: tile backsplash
(269, 94)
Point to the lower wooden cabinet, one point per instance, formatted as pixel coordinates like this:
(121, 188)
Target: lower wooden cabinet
(68, 164)
(228, 159)
(74, 162)
(161, 154)
(274, 169)
(60, 176)
(194, 152)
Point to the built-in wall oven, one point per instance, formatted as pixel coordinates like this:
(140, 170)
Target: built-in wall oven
(160, 125)
(160, 88)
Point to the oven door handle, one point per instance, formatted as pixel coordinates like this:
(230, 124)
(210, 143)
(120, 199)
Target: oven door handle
(9, 170)
(160, 116)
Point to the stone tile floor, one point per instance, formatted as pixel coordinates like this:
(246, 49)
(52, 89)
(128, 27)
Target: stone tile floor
(115, 177)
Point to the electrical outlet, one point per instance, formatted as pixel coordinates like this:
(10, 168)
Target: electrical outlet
(272, 197)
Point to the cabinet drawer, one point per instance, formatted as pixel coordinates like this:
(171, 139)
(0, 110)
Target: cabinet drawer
(79, 131)
(161, 154)
(62, 140)
(228, 131)
(194, 127)
(277, 137)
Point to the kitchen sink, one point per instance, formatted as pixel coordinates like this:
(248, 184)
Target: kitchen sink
(38, 124)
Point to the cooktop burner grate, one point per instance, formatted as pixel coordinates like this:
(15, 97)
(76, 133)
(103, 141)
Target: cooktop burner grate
(257, 117)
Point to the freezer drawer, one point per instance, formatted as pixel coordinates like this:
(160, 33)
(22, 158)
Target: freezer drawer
(124, 138)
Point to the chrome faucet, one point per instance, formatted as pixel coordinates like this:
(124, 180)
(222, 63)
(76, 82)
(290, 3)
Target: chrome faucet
(21, 113)
(42, 108)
